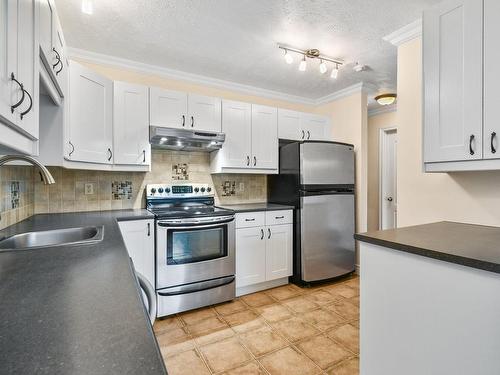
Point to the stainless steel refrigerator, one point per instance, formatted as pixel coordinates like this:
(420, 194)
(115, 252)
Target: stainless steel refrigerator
(317, 178)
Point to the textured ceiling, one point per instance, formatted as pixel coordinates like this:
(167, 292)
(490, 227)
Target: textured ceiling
(235, 40)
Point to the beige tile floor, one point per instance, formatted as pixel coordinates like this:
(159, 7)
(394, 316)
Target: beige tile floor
(282, 331)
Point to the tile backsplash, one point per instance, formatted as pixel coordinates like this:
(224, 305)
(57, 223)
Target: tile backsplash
(119, 190)
(16, 194)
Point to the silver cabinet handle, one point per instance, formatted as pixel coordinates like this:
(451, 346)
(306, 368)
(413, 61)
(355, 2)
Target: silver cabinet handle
(183, 120)
(308, 135)
(253, 219)
(254, 161)
(110, 154)
(72, 148)
(261, 234)
(149, 229)
(268, 233)
(248, 160)
(192, 121)
(303, 134)
(279, 217)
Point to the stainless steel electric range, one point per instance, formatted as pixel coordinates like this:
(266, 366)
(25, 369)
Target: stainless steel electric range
(195, 262)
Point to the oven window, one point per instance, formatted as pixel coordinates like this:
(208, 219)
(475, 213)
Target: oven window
(196, 245)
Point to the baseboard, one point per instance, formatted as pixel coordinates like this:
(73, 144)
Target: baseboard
(261, 286)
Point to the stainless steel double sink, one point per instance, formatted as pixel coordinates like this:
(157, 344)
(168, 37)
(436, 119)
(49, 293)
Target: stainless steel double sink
(49, 238)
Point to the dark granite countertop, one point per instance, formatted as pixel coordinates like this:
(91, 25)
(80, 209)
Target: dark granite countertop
(253, 207)
(74, 309)
(470, 245)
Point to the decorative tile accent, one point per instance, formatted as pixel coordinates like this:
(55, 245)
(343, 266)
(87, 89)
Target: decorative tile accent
(180, 171)
(121, 190)
(14, 194)
(228, 188)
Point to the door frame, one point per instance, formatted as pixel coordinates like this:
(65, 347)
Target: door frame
(383, 134)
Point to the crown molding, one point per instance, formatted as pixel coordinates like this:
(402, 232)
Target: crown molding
(348, 91)
(103, 59)
(405, 34)
(382, 109)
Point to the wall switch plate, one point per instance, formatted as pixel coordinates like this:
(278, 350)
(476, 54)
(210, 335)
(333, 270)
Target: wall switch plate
(89, 189)
(242, 186)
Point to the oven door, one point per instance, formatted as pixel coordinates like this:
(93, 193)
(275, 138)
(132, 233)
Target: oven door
(193, 250)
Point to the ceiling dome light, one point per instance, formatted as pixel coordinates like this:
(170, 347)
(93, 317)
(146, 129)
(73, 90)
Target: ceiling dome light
(322, 67)
(288, 57)
(386, 99)
(303, 64)
(335, 72)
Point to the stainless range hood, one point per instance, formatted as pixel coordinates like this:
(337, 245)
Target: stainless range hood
(185, 139)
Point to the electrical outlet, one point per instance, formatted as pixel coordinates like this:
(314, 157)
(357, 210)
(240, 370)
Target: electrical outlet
(89, 189)
(242, 187)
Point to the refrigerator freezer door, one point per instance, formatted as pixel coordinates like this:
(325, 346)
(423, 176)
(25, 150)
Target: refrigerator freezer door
(325, 163)
(327, 230)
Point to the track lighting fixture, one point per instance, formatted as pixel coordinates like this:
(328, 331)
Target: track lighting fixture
(312, 54)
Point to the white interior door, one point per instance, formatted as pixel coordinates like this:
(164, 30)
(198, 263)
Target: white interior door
(388, 186)
(264, 137)
(130, 124)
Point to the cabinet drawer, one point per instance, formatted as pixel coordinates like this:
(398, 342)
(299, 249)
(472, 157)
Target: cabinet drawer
(279, 217)
(250, 219)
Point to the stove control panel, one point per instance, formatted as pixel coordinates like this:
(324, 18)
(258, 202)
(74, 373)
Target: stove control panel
(178, 190)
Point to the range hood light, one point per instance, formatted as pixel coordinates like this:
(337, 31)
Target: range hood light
(185, 139)
(163, 139)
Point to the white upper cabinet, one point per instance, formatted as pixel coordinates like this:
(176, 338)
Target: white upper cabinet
(251, 144)
(237, 126)
(90, 116)
(47, 19)
(453, 68)
(19, 75)
(204, 113)
(314, 127)
(52, 47)
(130, 124)
(289, 124)
(301, 126)
(491, 134)
(168, 108)
(264, 137)
(176, 109)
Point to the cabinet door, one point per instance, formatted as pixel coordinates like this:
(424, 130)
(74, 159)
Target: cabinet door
(139, 240)
(491, 142)
(264, 137)
(130, 124)
(47, 19)
(27, 66)
(278, 251)
(289, 125)
(90, 117)
(237, 125)
(167, 108)
(204, 113)
(452, 58)
(59, 64)
(9, 90)
(314, 127)
(250, 256)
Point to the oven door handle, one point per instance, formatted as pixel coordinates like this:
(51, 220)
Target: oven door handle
(200, 225)
(196, 287)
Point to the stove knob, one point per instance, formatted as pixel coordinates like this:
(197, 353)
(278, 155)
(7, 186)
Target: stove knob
(202, 190)
(209, 189)
(160, 190)
(196, 190)
(167, 190)
(153, 190)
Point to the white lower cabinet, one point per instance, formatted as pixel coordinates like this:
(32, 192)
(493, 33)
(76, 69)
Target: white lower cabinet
(139, 240)
(250, 256)
(263, 252)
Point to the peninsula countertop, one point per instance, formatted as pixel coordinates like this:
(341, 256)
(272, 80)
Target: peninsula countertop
(74, 309)
(470, 245)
